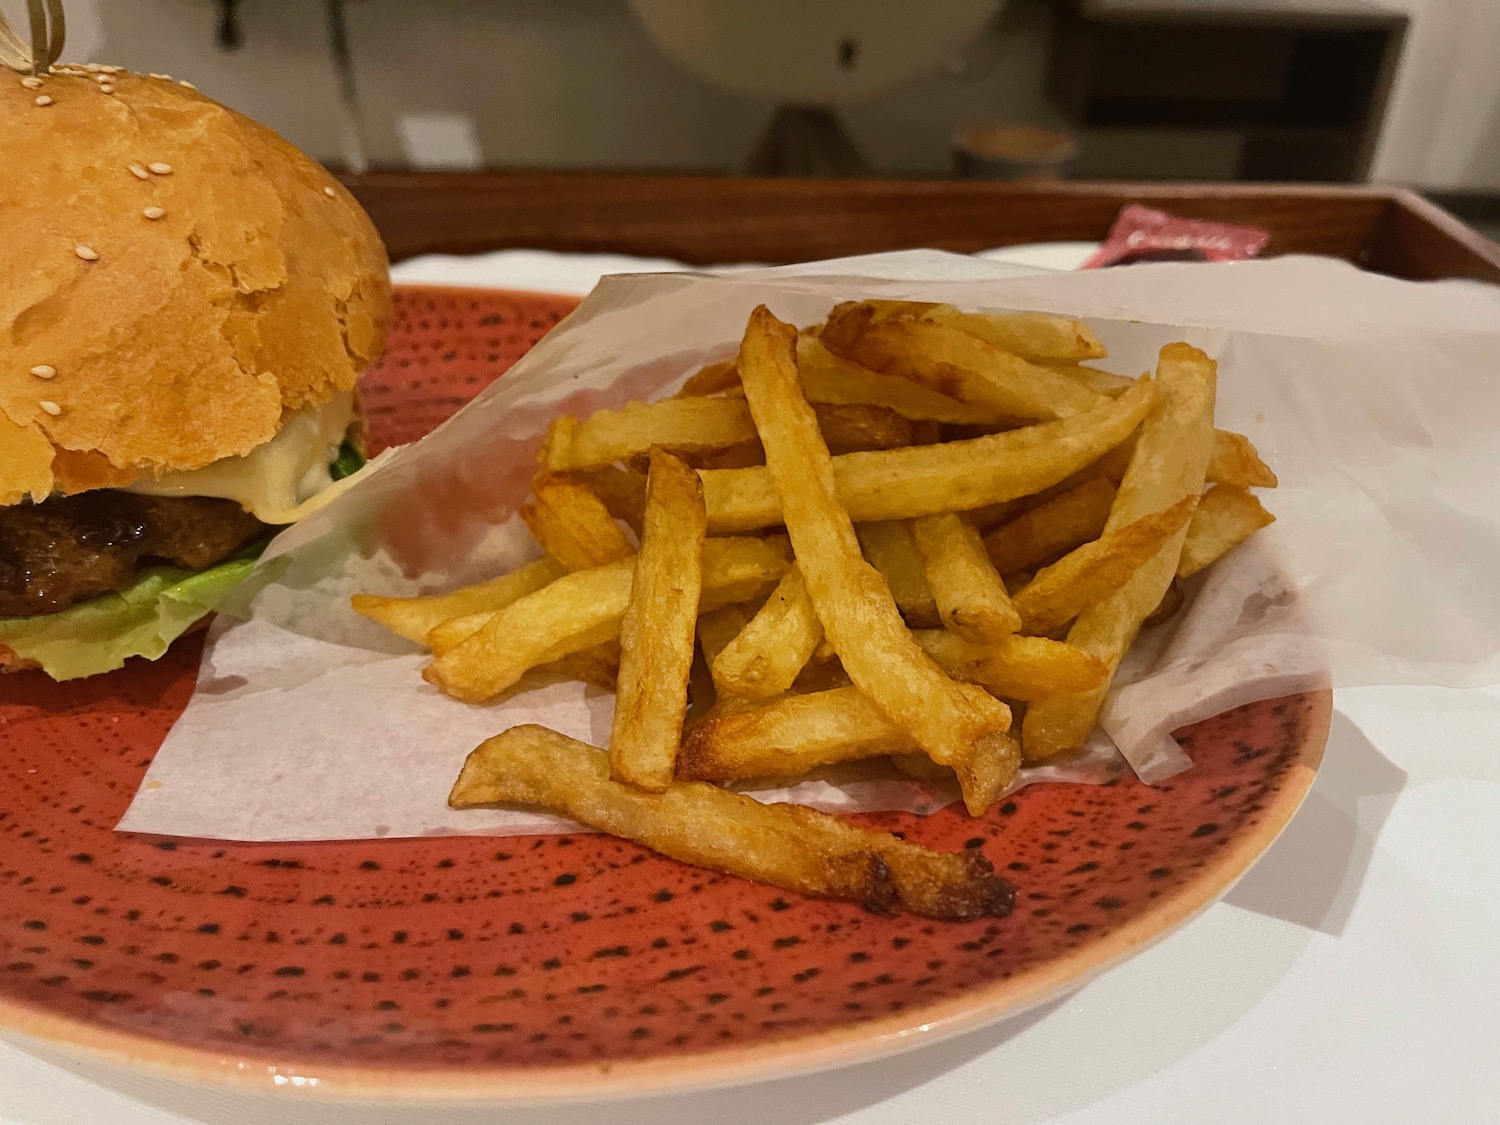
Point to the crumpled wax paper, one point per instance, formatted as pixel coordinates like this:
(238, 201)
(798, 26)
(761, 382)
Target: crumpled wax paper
(1376, 401)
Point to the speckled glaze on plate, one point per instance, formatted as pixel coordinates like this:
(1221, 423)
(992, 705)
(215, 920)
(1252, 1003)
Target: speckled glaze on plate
(533, 969)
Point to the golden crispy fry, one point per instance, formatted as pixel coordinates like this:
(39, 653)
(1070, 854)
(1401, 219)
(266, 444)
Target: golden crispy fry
(656, 633)
(971, 598)
(798, 733)
(789, 736)
(954, 476)
(1225, 518)
(698, 426)
(572, 523)
(623, 492)
(828, 379)
(952, 723)
(1049, 530)
(414, 618)
(955, 363)
(854, 427)
(480, 656)
(785, 845)
(1169, 463)
(677, 425)
(774, 646)
(1035, 336)
(888, 547)
(711, 380)
(1100, 382)
(1018, 667)
(1233, 461)
(1093, 572)
(718, 627)
(1236, 461)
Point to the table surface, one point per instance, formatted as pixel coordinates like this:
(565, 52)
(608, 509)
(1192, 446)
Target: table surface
(1348, 977)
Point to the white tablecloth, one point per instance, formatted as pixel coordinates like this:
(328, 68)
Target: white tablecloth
(1350, 977)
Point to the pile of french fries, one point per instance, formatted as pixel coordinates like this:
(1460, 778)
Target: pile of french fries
(908, 532)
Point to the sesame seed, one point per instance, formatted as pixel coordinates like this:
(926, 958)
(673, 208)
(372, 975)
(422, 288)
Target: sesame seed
(160, 169)
(329, 192)
(44, 100)
(154, 212)
(139, 173)
(106, 89)
(101, 78)
(111, 69)
(188, 84)
(155, 75)
(44, 371)
(87, 253)
(50, 407)
(31, 82)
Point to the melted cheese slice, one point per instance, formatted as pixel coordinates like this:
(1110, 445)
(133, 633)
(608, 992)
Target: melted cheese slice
(279, 482)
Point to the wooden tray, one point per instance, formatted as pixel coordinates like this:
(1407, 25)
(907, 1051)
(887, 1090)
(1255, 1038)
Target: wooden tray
(706, 220)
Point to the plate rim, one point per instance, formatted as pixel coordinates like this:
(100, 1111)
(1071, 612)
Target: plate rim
(829, 1049)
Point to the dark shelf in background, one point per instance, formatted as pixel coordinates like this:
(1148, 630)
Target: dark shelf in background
(1306, 94)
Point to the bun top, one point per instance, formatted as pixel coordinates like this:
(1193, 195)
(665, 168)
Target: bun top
(178, 280)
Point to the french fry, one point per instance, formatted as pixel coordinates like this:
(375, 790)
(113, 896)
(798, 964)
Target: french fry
(786, 846)
(713, 379)
(1050, 530)
(1224, 518)
(656, 632)
(788, 737)
(954, 724)
(1090, 574)
(1040, 337)
(718, 627)
(697, 425)
(954, 476)
(1019, 667)
(775, 645)
(677, 425)
(1100, 382)
(1236, 461)
(623, 492)
(572, 523)
(888, 547)
(955, 363)
(971, 598)
(826, 378)
(1169, 463)
(482, 655)
(856, 427)
(414, 618)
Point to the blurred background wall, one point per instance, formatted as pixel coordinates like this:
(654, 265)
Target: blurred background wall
(579, 83)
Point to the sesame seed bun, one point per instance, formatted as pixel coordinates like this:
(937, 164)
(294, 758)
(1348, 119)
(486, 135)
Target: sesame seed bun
(181, 279)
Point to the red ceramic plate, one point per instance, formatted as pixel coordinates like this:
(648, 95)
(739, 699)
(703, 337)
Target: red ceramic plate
(540, 968)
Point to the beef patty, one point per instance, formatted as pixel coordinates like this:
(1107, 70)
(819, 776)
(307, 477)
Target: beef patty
(68, 548)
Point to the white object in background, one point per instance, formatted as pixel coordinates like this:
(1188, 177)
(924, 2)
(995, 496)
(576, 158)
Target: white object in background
(1043, 255)
(440, 141)
(532, 271)
(834, 52)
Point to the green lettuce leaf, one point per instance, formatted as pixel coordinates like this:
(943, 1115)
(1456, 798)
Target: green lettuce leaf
(99, 634)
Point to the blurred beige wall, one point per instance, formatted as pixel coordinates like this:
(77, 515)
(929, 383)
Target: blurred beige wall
(560, 83)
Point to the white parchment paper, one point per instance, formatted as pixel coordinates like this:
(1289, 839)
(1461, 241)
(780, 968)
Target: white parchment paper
(1376, 401)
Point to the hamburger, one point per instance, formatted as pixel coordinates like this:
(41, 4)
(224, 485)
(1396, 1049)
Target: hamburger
(188, 304)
